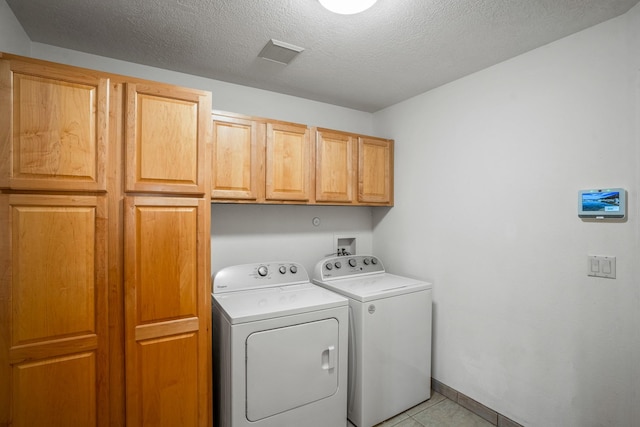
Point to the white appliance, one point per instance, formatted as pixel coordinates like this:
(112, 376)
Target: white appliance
(279, 348)
(389, 336)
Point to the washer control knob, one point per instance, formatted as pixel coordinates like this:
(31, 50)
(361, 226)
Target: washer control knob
(374, 261)
(338, 264)
(282, 269)
(262, 271)
(293, 269)
(352, 262)
(366, 261)
(328, 266)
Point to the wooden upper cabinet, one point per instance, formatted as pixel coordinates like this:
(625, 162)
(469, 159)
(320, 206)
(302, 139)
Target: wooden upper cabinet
(288, 162)
(375, 171)
(335, 166)
(238, 158)
(167, 311)
(265, 161)
(342, 166)
(53, 127)
(260, 161)
(53, 310)
(167, 129)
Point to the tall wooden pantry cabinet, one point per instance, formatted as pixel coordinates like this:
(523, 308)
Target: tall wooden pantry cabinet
(104, 256)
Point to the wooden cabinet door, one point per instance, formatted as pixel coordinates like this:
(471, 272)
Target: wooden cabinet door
(335, 166)
(53, 310)
(375, 170)
(238, 159)
(167, 311)
(166, 135)
(53, 127)
(289, 162)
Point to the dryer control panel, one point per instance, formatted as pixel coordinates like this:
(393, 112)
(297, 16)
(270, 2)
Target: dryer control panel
(257, 276)
(348, 266)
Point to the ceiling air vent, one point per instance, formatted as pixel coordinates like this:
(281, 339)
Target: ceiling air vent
(278, 51)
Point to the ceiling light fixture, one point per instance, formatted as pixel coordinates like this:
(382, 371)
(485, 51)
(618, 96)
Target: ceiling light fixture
(347, 7)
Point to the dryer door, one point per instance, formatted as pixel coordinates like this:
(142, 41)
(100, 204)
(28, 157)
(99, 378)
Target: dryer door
(290, 367)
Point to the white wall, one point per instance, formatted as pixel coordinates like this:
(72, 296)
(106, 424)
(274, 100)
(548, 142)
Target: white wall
(243, 234)
(13, 39)
(487, 174)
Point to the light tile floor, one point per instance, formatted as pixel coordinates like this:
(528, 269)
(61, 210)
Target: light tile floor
(436, 412)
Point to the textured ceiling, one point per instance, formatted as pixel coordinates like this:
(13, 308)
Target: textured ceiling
(393, 51)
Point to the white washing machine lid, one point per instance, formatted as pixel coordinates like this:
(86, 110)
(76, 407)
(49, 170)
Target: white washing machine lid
(375, 286)
(251, 306)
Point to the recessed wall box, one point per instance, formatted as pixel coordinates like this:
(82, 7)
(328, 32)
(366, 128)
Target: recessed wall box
(602, 203)
(345, 245)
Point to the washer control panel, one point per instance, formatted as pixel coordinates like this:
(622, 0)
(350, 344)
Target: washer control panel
(261, 275)
(345, 266)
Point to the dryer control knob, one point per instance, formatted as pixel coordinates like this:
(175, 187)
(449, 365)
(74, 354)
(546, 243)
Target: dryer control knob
(293, 269)
(262, 271)
(328, 266)
(366, 261)
(374, 261)
(282, 269)
(338, 264)
(352, 262)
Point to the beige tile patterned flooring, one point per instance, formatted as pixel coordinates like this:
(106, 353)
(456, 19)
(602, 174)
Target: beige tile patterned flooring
(436, 412)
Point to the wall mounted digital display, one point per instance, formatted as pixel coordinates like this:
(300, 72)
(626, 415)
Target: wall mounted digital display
(602, 203)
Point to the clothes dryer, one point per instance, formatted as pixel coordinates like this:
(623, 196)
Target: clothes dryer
(389, 336)
(279, 348)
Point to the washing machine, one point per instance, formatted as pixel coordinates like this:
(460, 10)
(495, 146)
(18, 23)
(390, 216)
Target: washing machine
(279, 348)
(389, 336)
